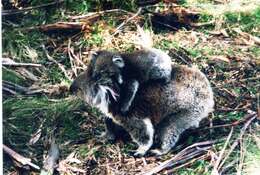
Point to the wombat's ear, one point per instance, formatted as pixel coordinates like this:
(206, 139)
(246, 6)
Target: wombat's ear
(118, 61)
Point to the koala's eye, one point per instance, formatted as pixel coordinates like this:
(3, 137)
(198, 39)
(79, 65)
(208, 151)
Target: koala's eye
(96, 76)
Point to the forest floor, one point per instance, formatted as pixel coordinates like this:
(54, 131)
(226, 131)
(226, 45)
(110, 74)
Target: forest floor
(222, 39)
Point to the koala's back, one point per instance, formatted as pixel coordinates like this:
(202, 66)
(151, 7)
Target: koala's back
(149, 64)
(188, 90)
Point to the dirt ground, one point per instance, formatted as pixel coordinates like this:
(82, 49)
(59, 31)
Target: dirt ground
(220, 37)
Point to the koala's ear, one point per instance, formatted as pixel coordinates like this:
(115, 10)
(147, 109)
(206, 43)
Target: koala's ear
(94, 55)
(118, 61)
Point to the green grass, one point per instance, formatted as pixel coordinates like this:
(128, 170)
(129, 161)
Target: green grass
(23, 46)
(252, 155)
(23, 116)
(27, 113)
(247, 21)
(63, 116)
(199, 167)
(9, 75)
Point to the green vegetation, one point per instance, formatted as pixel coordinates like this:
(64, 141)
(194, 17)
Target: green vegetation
(248, 22)
(230, 61)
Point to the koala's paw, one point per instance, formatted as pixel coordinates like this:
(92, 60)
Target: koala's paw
(107, 137)
(141, 151)
(124, 109)
(159, 152)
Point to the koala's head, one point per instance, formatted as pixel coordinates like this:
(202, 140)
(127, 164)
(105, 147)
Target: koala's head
(99, 84)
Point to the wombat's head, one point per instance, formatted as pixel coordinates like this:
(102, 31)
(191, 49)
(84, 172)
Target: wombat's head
(99, 84)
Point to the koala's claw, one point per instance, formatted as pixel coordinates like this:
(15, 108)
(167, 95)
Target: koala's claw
(107, 137)
(124, 109)
(158, 152)
(139, 154)
(141, 151)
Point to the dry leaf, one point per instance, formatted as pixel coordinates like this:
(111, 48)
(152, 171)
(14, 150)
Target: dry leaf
(35, 137)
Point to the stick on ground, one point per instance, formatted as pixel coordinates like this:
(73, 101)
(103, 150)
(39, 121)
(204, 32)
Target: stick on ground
(19, 158)
(184, 154)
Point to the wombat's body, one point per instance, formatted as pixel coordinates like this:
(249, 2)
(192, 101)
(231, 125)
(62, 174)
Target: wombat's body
(160, 112)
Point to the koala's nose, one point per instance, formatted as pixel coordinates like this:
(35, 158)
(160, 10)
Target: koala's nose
(74, 87)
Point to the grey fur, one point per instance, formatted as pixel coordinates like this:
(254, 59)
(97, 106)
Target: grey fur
(171, 108)
(130, 89)
(133, 69)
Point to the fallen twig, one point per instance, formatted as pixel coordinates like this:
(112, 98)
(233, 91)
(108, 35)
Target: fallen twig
(91, 14)
(19, 158)
(180, 54)
(215, 168)
(27, 74)
(59, 26)
(187, 153)
(56, 62)
(228, 166)
(126, 21)
(8, 90)
(72, 55)
(258, 105)
(238, 122)
(242, 157)
(248, 38)
(12, 12)
(14, 87)
(204, 156)
(10, 62)
(37, 135)
(236, 142)
(202, 24)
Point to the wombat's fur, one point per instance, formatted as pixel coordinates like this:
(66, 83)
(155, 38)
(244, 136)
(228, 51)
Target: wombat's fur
(160, 112)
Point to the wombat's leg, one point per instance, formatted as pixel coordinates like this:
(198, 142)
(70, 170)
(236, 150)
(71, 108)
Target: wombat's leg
(129, 90)
(168, 132)
(142, 132)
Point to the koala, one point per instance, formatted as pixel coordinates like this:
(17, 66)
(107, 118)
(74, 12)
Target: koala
(159, 113)
(131, 70)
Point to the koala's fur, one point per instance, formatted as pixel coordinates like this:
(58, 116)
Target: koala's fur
(131, 70)
(160, 112)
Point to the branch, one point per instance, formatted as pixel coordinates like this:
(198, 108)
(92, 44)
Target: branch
(126, 21)
(91, 14)
(235, 123)
(19, 158)
(56, 62)
(184, 155)
(10, 62)
(236, 142)
(215, 168)
(58, 26)
(12, 12)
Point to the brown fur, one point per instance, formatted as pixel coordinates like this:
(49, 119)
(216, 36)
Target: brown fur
(172, 108)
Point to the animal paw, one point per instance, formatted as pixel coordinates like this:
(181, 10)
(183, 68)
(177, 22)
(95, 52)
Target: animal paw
(141, 151)
(158, 152)
(124, 109)
(107, 137)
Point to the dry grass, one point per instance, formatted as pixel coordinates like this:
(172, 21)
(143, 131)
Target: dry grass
(230, 59)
